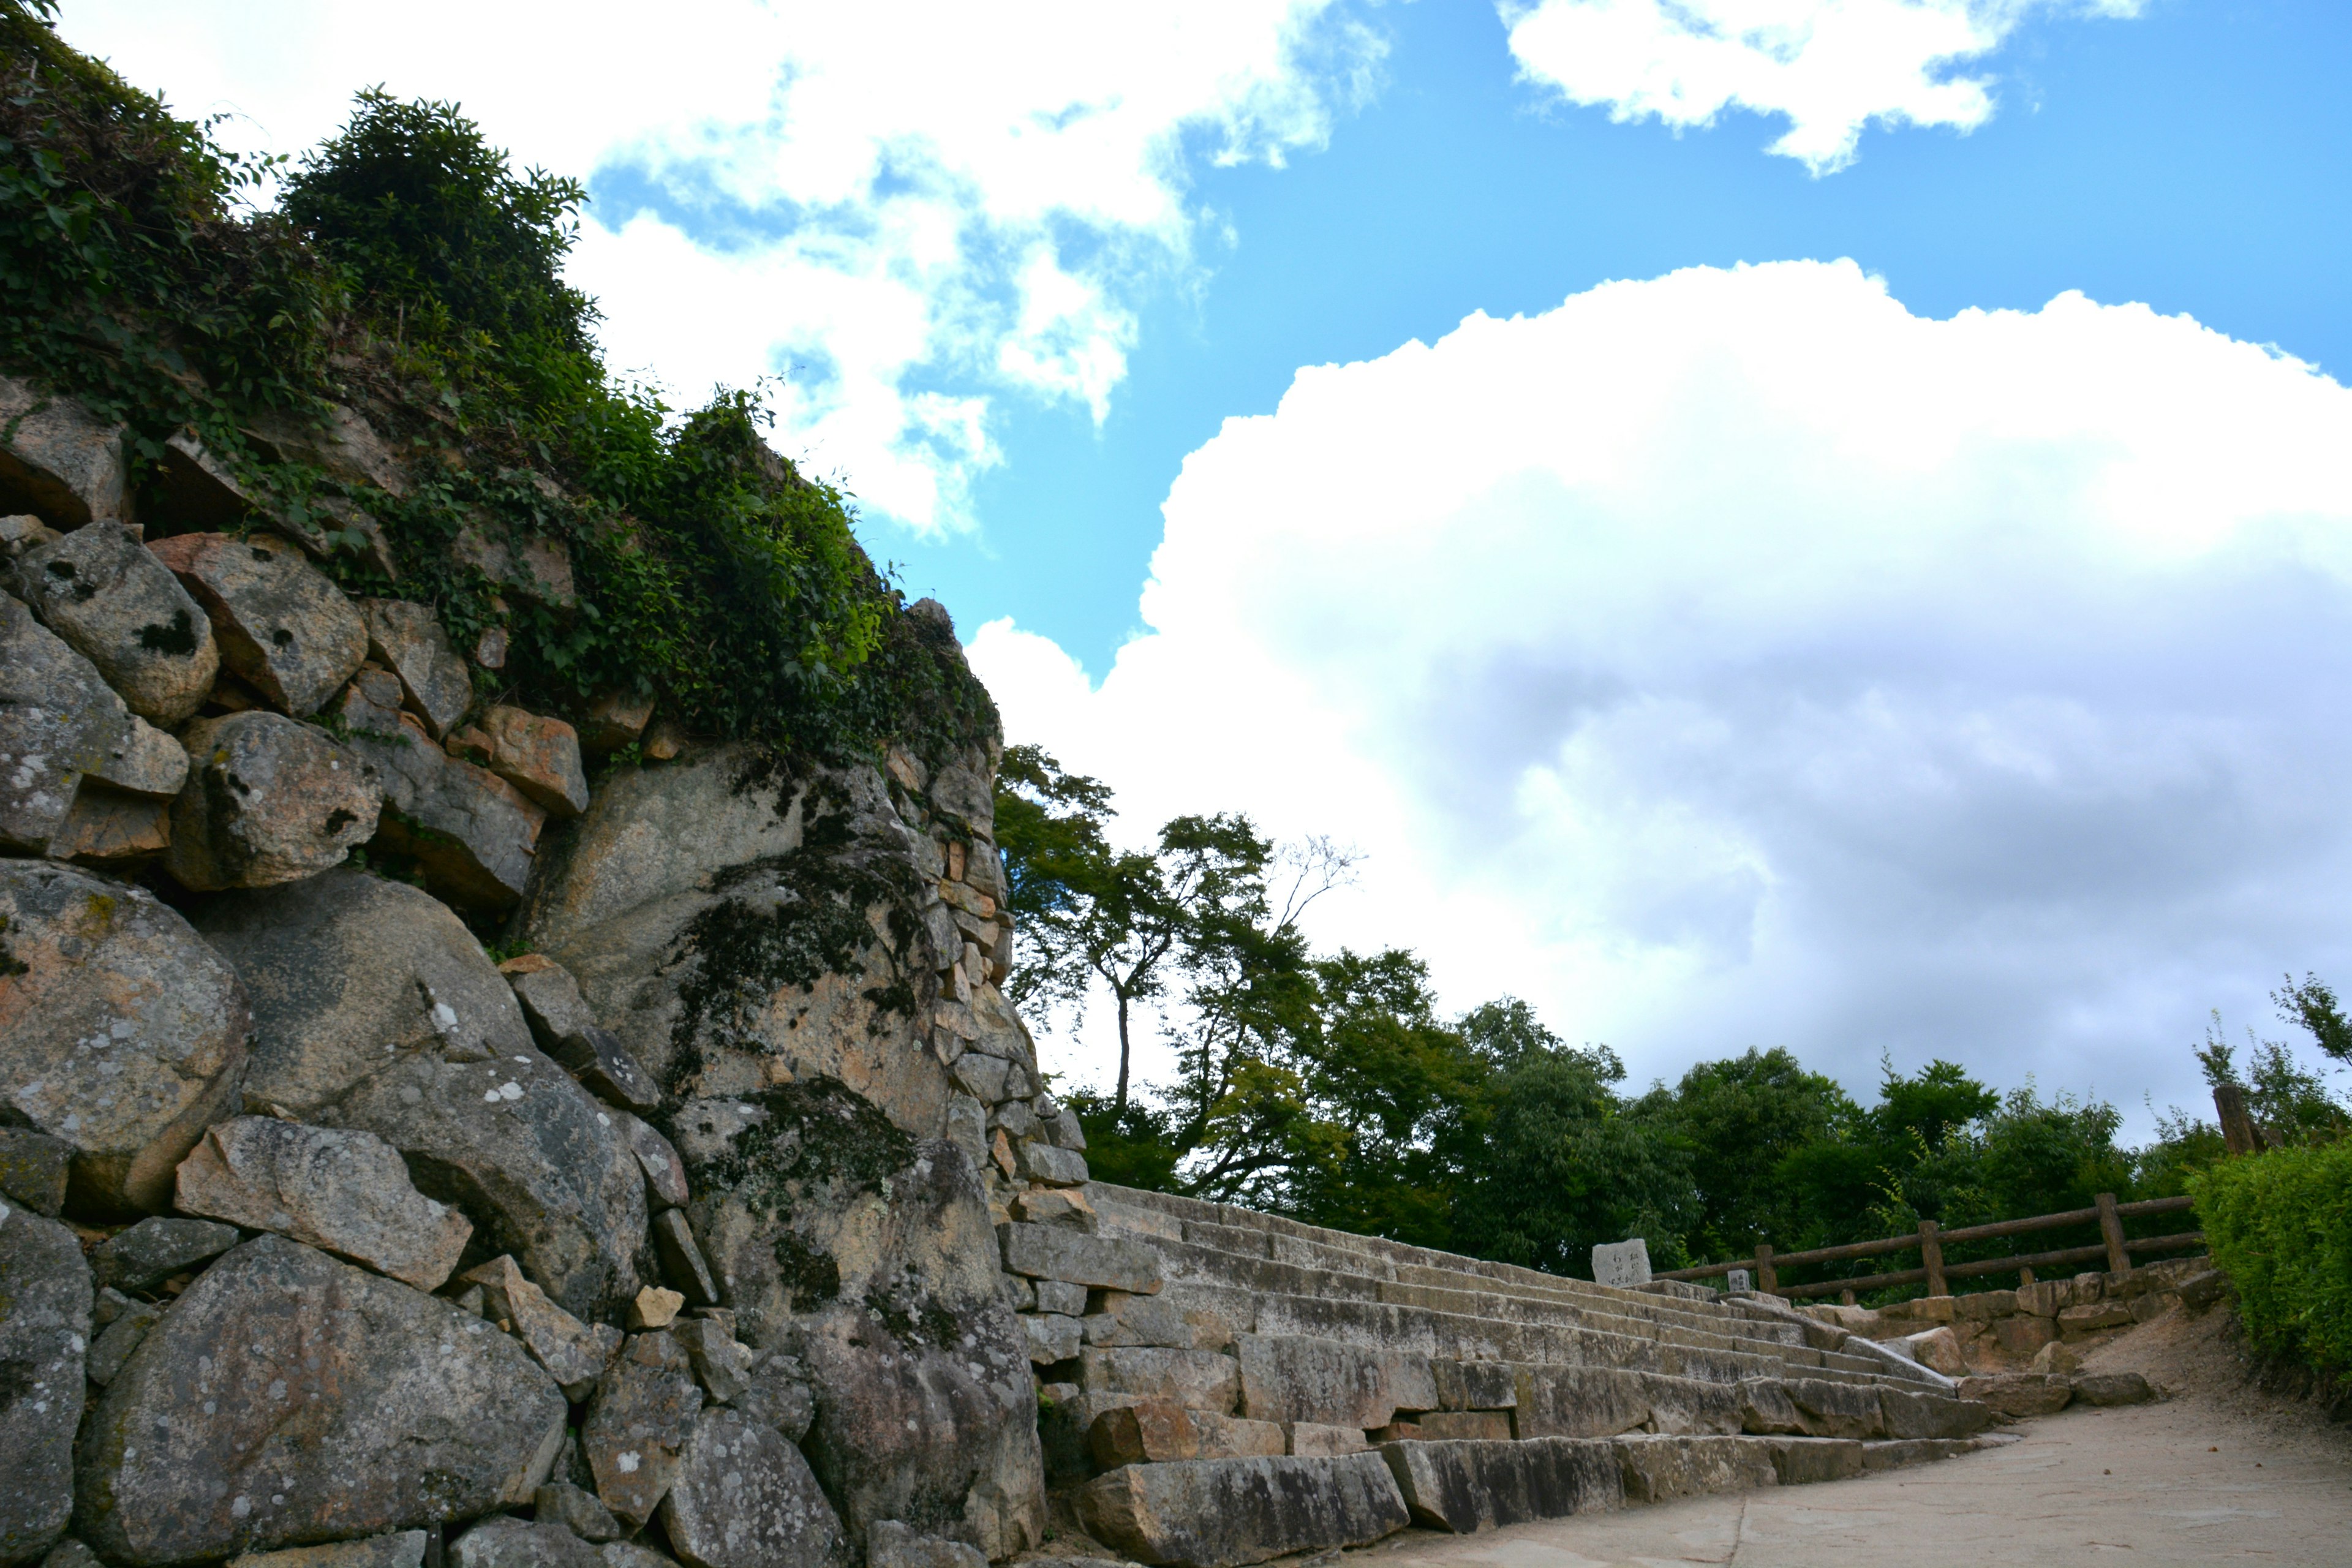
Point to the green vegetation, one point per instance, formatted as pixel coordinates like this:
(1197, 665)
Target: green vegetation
(2281, 1227)
(1327, 1087)
(409, 274)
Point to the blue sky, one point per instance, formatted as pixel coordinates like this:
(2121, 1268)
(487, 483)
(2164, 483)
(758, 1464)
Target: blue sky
(2194, 159)
(1735, 579)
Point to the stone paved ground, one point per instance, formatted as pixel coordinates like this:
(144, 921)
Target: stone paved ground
(2212, 1475)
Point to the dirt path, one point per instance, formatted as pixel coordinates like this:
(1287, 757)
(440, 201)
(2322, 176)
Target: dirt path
(2214, 1475)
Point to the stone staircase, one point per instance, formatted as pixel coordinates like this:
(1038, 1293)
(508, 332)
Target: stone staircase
(1220, 1386)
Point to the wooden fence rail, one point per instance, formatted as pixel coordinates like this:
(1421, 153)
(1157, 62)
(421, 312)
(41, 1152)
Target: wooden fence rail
(1929, 1241)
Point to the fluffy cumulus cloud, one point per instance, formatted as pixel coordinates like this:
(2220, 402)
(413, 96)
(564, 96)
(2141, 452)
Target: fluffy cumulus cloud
(905, 212)
(1828, 66)
(1737, 658)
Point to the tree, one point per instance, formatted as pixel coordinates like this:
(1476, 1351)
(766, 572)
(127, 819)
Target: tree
(1560, 1162)
(1082, 912)
(1742, 1119)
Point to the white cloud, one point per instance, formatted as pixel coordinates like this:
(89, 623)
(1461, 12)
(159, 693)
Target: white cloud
(1831, 67)
(910, 211)
(1737, 659)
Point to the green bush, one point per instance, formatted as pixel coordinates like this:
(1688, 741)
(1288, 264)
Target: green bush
(411, 274)
(2280, 1224)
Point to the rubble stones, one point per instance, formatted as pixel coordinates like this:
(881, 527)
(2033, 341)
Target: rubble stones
(375, 1008)
(342, 446)
(33, 1169)
(344, 1190)
(152, 1251)
(1937, 1349)
(1471, 1486)
(722, 1364)
(665, 1185)
(744, 1497)
(281, 625)
(407, 640)
(1103, 1263)
(108, 827)
(2074, 1321)
(1156, 1431)
(2111, 1388)
(268, 801)
(472, 834)
(1219, 1514)
(121, 1035)
(403, 1549)
(539, 756)
(44, 1300)
(890, 1544)
(574, 1353)
(59, 721)
(638, 1425)
(615, 719)
(287, 1397)
(681, 1258)
(510, 1542)
(2016, 1394)
(779, 1394)
(577, 1511)
(655, 1308)
(112, 1347)
(551, 999)
(116, 605)
(605, 1069)
(58, 459)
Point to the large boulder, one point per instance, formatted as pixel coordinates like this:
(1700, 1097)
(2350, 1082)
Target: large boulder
(872, 1251)
(268, 801)
(58, 459)
(744, 1497)
(344, 1190)
(407, 639)
(337, 442)
(472, 834)
(283, 626)
(732, 922)
(288, 1398)
(107, 594)
(375, 1008)
(121, 1033)
(60, 724)
(45, 1302)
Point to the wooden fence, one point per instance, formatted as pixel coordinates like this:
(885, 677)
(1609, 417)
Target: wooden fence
(2116, 1250)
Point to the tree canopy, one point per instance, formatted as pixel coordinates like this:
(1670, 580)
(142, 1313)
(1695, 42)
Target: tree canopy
(1332, 1087)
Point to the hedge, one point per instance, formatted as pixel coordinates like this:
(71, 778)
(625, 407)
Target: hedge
(2280, 1224)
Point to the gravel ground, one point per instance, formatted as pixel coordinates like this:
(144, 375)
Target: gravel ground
(2216, 1474)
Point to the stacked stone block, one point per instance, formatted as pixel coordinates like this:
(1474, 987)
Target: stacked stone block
(1223, 1387)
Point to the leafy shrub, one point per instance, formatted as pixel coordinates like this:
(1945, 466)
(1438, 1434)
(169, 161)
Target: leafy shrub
(2280, 1224)
(411, 274)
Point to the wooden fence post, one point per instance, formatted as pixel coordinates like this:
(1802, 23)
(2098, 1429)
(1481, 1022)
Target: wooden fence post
(1931, 1258)
(2238, 1135)
(1767, 1279)
(2111, 1226)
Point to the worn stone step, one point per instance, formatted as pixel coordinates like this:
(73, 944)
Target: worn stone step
(1312, 1294)
(1462, 1338)
(1221, 1513)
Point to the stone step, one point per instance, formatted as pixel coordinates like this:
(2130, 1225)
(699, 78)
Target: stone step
(1441, 1336)
(1634, 1341)
(1247, 1233)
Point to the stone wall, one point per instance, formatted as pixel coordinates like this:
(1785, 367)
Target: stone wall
(675, 1234)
